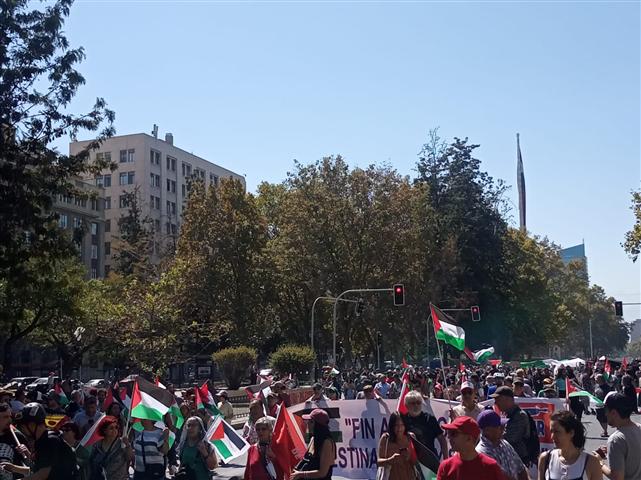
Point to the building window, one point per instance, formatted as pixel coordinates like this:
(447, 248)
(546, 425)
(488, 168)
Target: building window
(128, 156)
(155, 157)
(107, 226)
(94, 228)
(94, 252)
(171, 208)
(63, 221)
(123, 201)
(107, 203)
(155, 180)
(107, 248)
(174, 229)
(94, 204)
(171, 164)
(77, 222)
(103, 157)
(171, 186)
(183, 188)
(107, 180)
(168, 228)
(157, 225)
(186, 169)
(94, 273)
(213, 179)
(127, 178)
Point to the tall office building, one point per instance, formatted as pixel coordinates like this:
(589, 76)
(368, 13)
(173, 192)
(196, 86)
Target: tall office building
(161, 172)
(576, 254)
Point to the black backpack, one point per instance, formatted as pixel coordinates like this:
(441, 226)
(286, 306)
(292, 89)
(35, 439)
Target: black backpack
(532, 442)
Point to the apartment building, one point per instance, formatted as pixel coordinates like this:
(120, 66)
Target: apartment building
(83, 217)
(160, 171)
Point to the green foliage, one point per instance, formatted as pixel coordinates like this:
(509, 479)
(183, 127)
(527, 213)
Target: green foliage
(634, 349)
(134, 246)
(632, 244)
(296, 359)
(38, 80)
(233, 363)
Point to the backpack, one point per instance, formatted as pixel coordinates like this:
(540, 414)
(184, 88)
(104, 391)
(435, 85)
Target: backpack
(532, 443)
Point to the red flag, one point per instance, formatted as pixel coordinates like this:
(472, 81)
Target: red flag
(404, 389)
(469, 353)
(624, 364)
(109, 399)
(288, 443)
(93, 434)
(569, 388)
(494, 363)
(404, 364)
(461, 367)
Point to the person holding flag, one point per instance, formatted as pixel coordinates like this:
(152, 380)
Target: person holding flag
(111, 454)
(196, 454)
(262, 461)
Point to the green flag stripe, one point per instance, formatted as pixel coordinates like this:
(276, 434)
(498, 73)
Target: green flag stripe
(222, 448)
(458, 343)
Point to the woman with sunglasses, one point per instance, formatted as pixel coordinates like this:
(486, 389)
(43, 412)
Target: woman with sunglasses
(321, 451)
(197, 456)
(260, 458)
(395, 450)
(111, 456)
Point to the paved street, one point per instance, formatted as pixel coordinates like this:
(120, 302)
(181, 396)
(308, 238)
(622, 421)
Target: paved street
(237, 468)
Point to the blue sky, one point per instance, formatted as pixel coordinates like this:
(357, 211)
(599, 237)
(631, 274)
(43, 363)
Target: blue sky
(252, 86)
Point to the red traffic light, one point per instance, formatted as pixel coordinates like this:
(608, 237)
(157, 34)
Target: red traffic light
(476, 313)
(399, 295)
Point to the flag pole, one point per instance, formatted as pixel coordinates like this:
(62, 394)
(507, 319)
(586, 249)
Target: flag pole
(126, 430)
(440, 354)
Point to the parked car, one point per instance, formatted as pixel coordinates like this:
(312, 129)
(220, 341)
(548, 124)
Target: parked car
(96, 383)
(18, 382)
(42, 384)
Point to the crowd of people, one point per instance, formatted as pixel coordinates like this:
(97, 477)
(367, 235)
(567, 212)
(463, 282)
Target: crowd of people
(476, 443)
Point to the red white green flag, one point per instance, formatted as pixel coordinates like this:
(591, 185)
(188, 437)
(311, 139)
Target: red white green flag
(149, 401)
(61, 394)
(93, 434)
(447, 332)
(226, 441)
(572, 391)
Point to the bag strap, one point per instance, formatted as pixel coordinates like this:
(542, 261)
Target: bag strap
(585, 464)
(547, 462)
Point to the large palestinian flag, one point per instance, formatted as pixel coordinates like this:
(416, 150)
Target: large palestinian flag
(149, 401)
(226, 441)
(447, 332)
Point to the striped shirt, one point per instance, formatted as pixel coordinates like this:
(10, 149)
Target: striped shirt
(151, 442)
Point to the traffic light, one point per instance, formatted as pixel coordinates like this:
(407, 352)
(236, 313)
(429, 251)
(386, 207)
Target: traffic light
(618, 309)
(399, 295)
(476, 313)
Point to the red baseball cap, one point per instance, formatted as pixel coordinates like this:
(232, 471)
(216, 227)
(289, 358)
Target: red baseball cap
(465, 425)
(318, 416)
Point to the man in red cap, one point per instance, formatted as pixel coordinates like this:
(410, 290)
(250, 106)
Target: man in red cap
(467, 463)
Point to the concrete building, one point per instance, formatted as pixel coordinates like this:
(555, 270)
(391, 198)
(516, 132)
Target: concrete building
(160, 171)
(84, 218)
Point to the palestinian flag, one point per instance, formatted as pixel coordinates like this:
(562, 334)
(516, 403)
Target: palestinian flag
(572, 391)
(149, 401)
(400, 407)
(54, 421)
(63, 400)
(404, 364)
(205, 400)
(447, 332)
(259, 391)
(607, 369)
(137, 426)
(427, 461)
(226, 441)
(483, 355)
(624, 364)
(174, 410)
(495, 363)
(93, 434)
(288, 442)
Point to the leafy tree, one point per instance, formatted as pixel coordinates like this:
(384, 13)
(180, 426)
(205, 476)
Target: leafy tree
(632, 244)
(135, 245)
(38, 79)
(634, 349)
(234, 363)
(295, 359)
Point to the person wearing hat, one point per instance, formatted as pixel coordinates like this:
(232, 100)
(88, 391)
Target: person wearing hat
(321, 450)
(493, 445)
(624, 445)
(54, 458)
(463, 434)
(519, 387)
(317, 395)
(225, 407)
(468, 406)
(517, 429)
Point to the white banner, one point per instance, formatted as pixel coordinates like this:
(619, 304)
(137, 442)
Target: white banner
(357, 426)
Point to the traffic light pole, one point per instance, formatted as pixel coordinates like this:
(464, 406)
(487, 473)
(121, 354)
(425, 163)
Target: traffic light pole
(311, 332)
(339, 298)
